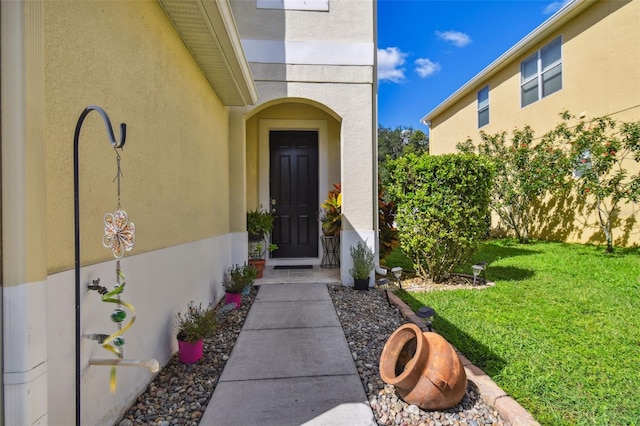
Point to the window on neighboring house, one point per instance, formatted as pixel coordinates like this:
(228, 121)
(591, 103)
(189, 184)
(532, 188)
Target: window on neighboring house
(483, 107)
(582, 164)
(541, 73)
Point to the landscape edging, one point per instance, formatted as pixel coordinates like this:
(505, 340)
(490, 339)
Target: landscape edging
(509, 409)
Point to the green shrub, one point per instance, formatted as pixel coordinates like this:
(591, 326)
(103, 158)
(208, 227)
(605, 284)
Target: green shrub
(386, 224)
(196, 323)
(443, 204)
(238, 277)
(259, 223)
(398, 258)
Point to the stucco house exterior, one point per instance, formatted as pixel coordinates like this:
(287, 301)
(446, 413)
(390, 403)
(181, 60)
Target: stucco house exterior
(584, 59)
(218, 96)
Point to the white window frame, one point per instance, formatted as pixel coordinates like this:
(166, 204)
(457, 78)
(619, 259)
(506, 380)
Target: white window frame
(540, 72)
(483, 106)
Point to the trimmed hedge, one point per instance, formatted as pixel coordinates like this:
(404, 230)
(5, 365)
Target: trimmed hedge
(443, 209)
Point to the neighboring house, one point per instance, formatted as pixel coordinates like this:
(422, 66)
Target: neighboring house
(584, 59)
(222, 99)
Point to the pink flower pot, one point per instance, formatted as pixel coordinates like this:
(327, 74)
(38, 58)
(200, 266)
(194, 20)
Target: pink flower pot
(189, 352)
(233, 298)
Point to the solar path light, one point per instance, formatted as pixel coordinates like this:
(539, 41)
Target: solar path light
(478, 269)
(427, 314)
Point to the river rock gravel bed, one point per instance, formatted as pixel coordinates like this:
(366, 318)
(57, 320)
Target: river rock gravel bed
(179, 393)
(368, 321)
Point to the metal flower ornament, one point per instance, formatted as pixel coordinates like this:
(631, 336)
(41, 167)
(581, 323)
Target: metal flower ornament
(119, 233)
(120, 237)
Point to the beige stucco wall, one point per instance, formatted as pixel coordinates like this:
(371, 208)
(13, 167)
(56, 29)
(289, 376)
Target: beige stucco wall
(601, 76)
(126, 58)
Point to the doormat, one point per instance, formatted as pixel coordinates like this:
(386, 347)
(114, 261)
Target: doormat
(293, 267)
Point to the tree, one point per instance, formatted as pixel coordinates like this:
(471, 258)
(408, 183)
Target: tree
(443, 205)
(417, 142)
(394, 143)
(602, 150)
(525, 172)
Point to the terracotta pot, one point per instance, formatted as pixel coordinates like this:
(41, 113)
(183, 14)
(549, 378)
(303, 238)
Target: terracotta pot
(189, 352)
(235, 298)
(259, 265)
(423, 367)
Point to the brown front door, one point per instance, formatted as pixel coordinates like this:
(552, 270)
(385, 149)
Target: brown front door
(294, 192)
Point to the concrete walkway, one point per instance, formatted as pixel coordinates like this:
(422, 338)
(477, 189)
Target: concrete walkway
(291, 365)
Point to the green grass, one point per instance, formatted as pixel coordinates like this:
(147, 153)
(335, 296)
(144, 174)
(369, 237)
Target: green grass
(560, 331)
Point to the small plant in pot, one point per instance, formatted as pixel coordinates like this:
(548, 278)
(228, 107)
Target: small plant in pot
(259, 224)
(257, 256)
(195, 324)
(235, 280)
(362, 265)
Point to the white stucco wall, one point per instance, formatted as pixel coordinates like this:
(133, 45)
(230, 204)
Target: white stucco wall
(327, 57)
(194, 273)
(345, 21)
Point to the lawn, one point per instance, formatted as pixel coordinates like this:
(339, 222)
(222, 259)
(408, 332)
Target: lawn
(560, 331)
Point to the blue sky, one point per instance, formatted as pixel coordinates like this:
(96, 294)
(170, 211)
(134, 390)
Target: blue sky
(427, 49)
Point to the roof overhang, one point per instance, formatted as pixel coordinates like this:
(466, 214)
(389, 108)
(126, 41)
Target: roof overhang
(209, 31)
(558, 19)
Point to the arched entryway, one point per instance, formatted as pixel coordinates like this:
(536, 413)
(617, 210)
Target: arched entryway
(293, 159)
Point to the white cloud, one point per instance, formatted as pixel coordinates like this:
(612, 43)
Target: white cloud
(390, 61)
(554, 7)
(457, 38)
(425, 67)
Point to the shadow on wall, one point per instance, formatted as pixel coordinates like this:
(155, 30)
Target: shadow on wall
(625, 226)
(557, 218)
(567, 215)
(621, 230)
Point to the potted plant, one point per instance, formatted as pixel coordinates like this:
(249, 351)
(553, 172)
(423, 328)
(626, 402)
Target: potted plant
(331, 215)
(362, 265)
(235, 280)
(257, 256)
(259, 224)
(191, 327)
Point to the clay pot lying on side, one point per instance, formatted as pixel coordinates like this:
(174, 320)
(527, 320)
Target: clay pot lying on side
(423, 367)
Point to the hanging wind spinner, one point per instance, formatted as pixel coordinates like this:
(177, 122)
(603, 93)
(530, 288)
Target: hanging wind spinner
(119, 236)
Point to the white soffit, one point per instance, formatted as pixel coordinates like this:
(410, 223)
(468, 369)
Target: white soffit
(209, 31)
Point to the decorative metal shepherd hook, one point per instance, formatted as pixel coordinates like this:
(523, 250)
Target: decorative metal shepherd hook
(76, 204)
